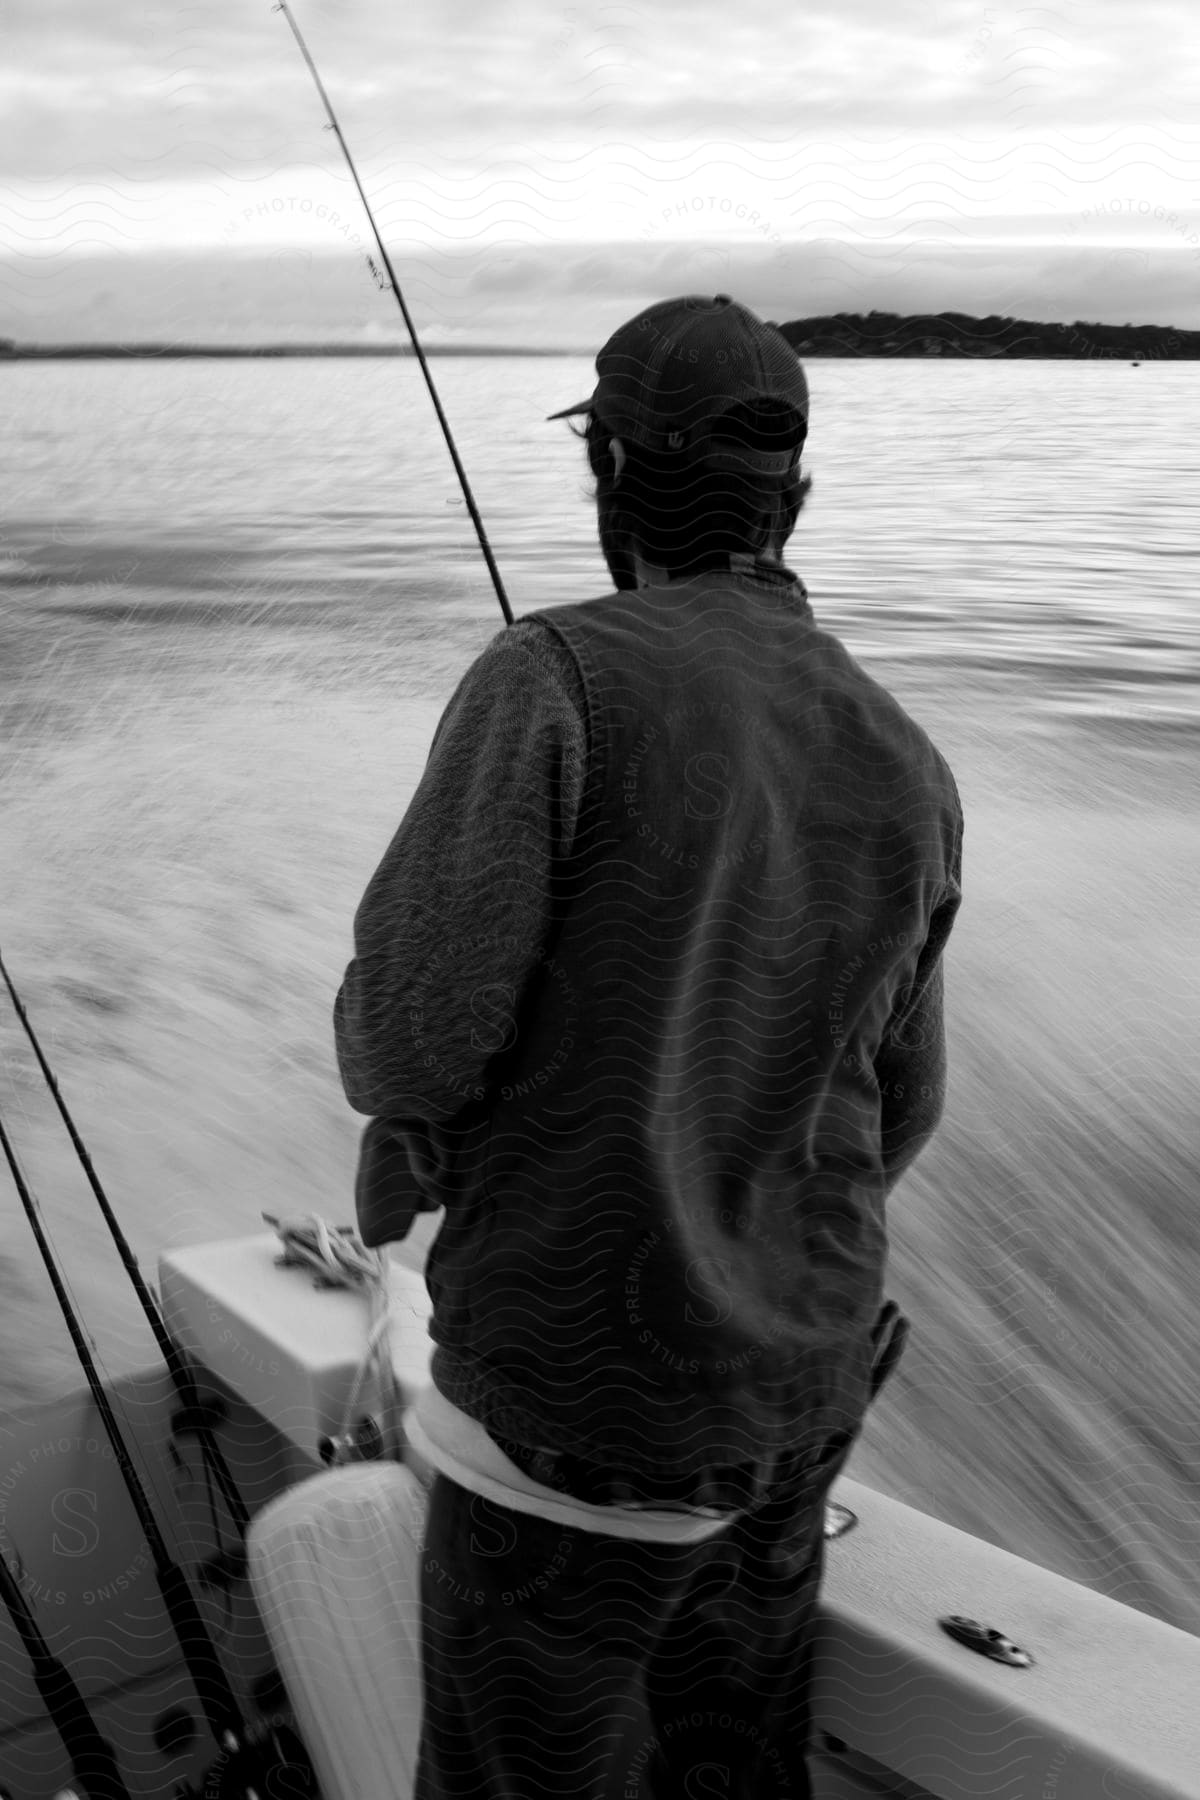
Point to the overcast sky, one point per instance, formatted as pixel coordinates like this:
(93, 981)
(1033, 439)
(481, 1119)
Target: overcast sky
(541, 171)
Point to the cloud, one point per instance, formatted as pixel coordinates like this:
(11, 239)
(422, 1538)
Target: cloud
(140, 86)
(501, 272)
(573, 297)
(541, 169)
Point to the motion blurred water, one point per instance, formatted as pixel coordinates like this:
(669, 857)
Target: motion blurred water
(234, 598)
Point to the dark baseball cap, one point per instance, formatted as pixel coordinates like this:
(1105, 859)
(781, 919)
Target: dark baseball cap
(667, 376)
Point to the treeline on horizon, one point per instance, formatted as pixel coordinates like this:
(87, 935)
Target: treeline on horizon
(832, 334)
(11, 351)
(958, 334)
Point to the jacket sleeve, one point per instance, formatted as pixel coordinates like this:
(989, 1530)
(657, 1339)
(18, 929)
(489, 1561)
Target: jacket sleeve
(456, 915)
(910, 1064)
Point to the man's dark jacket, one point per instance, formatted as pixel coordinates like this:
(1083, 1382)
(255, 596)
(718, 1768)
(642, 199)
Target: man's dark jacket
(669, 1032)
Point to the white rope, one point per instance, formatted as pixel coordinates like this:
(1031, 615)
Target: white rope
(340, 1259)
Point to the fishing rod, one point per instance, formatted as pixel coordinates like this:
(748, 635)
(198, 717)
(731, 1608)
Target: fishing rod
(92, 1760)
(196, 1413)
(211, 1683)
(493, 571)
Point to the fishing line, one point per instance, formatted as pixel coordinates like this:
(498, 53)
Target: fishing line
(493, 571)
(195, 1416)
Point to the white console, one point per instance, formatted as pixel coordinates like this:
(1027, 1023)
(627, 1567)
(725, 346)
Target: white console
(291, 1349)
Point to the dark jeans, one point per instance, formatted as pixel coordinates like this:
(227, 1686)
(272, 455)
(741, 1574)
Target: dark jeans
(562, 1665)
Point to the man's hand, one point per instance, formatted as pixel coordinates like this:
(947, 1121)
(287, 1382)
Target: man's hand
(388, 1191)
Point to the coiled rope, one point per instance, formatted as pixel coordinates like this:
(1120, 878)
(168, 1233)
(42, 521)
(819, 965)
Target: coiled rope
(339, 1259)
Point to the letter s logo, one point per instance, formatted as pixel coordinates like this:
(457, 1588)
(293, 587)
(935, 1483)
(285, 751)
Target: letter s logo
(487, 1008)
(703, 1268)
(500, 1531)
(287, 1781)
(714, 806)
(707, 1781)
(85, 1536)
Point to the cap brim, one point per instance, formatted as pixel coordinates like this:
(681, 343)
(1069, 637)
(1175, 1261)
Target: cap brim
(571, 412)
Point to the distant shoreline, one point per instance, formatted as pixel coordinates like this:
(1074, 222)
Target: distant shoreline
(874, 334)
(171, 352)
(951, 334)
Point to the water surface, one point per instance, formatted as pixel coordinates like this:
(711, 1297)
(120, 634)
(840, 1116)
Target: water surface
(234, 598)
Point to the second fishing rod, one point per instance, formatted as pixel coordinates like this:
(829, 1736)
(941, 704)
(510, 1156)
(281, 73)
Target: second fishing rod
(468, 496)
(197, 1415)
(213, 1690)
